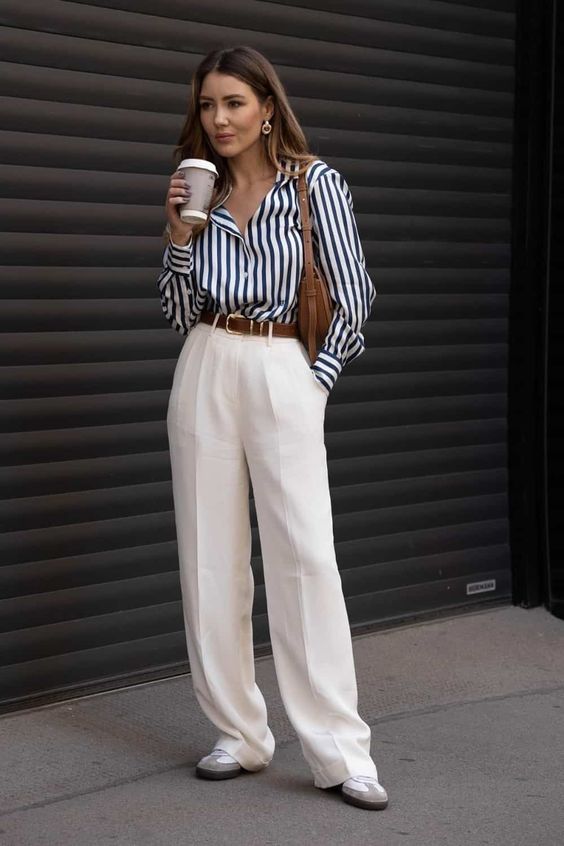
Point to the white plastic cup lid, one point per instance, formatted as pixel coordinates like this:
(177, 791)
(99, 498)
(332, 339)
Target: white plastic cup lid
(203, 163)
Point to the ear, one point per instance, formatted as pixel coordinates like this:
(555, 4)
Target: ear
(269, 106)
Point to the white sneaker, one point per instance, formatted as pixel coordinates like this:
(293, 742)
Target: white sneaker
(218, 764)
(365, 792)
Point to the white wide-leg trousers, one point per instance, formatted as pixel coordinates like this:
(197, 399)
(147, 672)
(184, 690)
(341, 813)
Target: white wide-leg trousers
(249, 408)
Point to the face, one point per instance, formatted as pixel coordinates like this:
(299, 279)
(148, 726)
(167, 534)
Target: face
(228, 106)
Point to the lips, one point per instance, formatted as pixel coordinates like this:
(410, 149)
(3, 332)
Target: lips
(223, 137)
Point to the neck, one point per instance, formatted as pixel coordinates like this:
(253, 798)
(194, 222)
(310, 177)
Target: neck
(249, 168)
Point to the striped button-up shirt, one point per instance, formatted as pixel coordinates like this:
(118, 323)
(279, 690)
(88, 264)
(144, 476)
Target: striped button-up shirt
(257, 273)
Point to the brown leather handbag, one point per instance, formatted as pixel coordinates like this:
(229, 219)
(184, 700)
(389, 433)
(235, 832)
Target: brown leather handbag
(315, 306)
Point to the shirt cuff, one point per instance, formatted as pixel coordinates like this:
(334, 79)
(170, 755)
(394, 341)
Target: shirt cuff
(179, 257)
(326, 368)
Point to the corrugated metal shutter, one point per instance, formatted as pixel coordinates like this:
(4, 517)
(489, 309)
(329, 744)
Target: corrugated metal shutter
(412, 101)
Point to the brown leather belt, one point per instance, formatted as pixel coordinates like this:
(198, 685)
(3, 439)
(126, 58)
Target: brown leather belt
(236, 324)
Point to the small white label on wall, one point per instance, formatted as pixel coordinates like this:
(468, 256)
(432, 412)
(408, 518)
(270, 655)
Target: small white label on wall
(480, 587)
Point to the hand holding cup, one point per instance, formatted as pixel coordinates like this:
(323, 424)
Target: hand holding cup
(179, 193)
(190, 196)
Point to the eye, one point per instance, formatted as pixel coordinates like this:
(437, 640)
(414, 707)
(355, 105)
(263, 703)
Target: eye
(235, 103)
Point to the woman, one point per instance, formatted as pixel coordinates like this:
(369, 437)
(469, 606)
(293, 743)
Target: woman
(247, 405)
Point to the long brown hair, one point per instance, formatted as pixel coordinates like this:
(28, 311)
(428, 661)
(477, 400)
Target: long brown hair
(285, 141)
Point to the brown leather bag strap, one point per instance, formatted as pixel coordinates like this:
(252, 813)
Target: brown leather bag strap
(311, 293)
(306, 230)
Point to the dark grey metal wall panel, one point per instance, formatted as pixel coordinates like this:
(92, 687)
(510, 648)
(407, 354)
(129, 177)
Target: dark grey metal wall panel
(413, 102)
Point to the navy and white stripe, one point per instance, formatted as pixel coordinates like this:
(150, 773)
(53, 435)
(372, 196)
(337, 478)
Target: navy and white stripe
(258, 275)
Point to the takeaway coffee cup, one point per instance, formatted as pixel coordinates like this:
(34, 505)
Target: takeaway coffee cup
(200, 176)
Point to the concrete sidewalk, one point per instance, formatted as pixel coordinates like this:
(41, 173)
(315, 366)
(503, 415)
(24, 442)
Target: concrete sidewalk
(468, 736)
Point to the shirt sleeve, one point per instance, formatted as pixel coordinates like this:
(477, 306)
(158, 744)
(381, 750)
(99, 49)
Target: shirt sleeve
(341, 258)
(177, 288)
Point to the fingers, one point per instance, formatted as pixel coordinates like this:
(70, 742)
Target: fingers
(179, 191)
(179, 180)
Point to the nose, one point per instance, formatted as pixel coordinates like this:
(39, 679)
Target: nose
(219, 119)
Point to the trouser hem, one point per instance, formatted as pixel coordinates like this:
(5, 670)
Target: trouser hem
(243, 755)
(340, 772)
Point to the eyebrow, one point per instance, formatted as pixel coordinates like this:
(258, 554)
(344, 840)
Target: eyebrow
(228, 97)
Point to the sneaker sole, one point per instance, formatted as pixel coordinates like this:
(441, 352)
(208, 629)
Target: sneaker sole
(202, 772)
(376, 805)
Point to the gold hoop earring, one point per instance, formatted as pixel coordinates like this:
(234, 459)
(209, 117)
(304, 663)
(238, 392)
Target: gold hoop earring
(266, 127)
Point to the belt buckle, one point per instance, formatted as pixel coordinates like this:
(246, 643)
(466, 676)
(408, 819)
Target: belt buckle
(227, 329)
